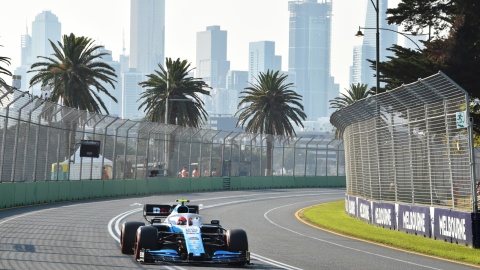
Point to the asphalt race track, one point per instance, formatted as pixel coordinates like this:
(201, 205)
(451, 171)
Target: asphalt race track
(84, 235)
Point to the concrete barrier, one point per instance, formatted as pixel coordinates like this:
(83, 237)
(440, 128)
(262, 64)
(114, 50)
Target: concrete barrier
(29, 193)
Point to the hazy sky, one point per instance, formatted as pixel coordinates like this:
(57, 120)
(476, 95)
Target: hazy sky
(105, 21)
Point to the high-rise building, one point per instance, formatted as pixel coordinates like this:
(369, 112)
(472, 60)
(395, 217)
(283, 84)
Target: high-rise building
(26, 43)
(124, 59)
(147, 35)
(362, 71)
(309, 55)
(45, 28)
(237, 80)
(131, 91)
(114, 108)
(262, 58)
(212, 65)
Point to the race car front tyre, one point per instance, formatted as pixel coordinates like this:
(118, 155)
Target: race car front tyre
(127, 236)
(147, 238)
(237, 241)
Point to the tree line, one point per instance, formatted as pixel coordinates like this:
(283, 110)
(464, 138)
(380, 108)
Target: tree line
(452, 46)
(76, 75)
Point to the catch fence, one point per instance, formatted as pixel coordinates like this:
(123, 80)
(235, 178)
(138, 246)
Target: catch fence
(40, 140)
(405, 146)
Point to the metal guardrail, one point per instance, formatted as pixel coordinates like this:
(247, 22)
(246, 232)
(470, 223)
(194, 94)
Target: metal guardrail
(404, 146)
(39, 142)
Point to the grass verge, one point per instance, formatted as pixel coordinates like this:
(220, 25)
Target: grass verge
(332, 216)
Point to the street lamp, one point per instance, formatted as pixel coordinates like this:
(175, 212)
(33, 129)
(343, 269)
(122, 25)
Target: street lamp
(377, 60)
(360, 34)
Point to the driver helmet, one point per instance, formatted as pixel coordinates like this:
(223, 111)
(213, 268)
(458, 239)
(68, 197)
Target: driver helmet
(182, 221)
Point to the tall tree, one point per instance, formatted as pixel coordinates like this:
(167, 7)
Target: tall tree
(4, 60)
(406, 66)
(455, 43)
(355, 93)
(454, 46)
(417, 15)
(173, 92)
(76, 75)
(74, 71)
(172, 83)
(269, 107)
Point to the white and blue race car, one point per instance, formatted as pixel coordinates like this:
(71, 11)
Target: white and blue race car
(182, 237)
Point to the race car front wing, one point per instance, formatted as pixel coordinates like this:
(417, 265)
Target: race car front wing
(171, 255)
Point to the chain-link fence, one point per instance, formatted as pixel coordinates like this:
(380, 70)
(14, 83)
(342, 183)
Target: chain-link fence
(40, 142)
(404, 145)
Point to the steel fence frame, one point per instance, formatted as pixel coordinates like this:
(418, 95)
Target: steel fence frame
(404, 146)
(37, 136)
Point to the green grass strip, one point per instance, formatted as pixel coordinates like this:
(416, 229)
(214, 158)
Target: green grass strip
(332, 216)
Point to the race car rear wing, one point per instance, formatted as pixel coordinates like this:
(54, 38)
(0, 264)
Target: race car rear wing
(157, 210)
(163, 210)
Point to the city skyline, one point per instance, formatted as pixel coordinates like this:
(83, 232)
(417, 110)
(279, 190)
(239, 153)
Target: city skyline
(244, 21)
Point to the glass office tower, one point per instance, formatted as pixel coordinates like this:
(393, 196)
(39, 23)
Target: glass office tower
(309, 55)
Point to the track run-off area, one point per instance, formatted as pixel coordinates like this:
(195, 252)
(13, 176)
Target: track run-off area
(85, 235)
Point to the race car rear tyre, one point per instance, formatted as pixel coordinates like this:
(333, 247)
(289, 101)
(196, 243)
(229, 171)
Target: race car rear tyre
(237, 241)
(127, 236)
(147, 238)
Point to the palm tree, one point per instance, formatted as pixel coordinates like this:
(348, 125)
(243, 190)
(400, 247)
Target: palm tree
(170, 91)
(172, 85)
(269, 107)
(74, 71)
(355, 93)
(5, 60)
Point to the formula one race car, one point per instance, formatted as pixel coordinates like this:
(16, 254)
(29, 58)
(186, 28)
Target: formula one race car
(182, 237)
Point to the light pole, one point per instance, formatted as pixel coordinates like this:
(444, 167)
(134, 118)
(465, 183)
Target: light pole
(167, 101)
(377, 61)
(360, 34)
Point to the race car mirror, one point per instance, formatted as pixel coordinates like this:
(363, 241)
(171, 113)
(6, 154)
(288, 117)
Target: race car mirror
(215, 221)
(90, 148)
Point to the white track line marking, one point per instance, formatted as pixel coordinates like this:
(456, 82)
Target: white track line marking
(336, 244)
(114, 230)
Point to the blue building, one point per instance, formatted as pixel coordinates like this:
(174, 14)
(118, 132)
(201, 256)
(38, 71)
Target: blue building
(147, 35)
(261, 58)
(45, 27)
(309, 55)
(212, 65)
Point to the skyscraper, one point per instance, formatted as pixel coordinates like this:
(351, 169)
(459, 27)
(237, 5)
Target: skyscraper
(362, 71)
(114, 108)
(237, 80)
(131, 91)
(147, 35)
(26, 43)
(45, 28)
(309, 55)
(262, 58)
(212, 65)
